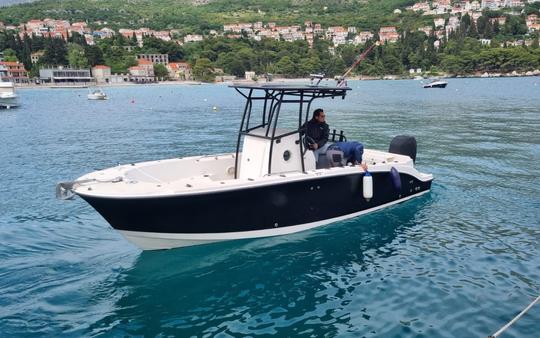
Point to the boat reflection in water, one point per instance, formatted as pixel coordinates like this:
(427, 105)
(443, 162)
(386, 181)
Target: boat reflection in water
(237, 285)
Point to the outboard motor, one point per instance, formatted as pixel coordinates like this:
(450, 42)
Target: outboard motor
(404, 145)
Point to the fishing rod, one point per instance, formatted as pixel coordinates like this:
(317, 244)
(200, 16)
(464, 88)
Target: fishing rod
(341, 79)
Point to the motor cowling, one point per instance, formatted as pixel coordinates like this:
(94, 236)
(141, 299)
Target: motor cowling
(404, 145)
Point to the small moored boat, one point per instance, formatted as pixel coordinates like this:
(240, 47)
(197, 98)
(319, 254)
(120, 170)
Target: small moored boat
(8, 97)
(271, 185)
(436, 84)
(97, 94)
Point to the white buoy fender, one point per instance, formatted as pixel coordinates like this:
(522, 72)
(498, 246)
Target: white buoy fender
(368, 186)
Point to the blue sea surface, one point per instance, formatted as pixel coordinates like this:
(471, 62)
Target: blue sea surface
(460, 261)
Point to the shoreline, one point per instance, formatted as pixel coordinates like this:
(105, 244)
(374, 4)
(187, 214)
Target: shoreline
(276, 80)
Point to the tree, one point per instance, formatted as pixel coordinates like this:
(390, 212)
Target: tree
(161, 71)
(203, 70)
(535, 43)
(77, 38)
(55, 52)
(10, 55)
(76, 56)
(286, 67)
(452, 64)
(94, 55)
(310, 65)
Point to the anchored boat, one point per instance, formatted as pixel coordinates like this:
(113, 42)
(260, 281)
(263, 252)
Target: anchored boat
(8, 97)
(436, 84)
(271, 185)
(97, 94)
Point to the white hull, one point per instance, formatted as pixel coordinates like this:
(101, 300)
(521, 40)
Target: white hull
(96, 97)
(8, 97)
(160, 241)
(9, 102)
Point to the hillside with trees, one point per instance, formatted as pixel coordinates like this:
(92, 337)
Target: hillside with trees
(192, 17)
(462, 51)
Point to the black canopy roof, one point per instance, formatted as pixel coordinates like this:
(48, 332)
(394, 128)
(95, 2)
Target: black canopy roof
(304, 90)
(288, 87)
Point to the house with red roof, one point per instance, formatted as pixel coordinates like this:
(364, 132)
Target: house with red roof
(143, 72)
(388, 34)
(179, 70)
(14, 72)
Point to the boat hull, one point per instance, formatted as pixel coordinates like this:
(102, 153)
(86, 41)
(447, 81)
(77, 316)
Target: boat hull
(441, 85)
(8, 100)
(258, 211)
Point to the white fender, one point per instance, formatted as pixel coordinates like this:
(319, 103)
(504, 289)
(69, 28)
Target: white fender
(368, 186)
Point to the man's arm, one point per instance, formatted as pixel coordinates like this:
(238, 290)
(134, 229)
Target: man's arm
(325, 136)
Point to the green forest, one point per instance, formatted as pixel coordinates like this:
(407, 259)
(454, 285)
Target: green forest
(188, 17)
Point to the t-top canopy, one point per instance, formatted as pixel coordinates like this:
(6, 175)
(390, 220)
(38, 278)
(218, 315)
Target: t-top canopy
(274, 95)
(284, 86)
(295, 89)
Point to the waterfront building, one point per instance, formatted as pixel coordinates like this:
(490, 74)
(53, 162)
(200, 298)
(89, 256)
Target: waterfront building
(119, 78)
(179, 70)
(249, 75)
(143, 72)
(101, 73)
(63, 75)
(155, 58)
(14, 72)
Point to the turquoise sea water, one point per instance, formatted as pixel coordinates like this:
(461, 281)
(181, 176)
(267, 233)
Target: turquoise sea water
(458, 262)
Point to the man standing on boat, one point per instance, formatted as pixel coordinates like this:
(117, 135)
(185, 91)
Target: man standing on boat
(317, 132)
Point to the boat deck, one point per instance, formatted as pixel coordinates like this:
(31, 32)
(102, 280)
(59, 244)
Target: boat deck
(203, 174)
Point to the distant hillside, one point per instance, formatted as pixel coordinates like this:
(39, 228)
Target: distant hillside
(13, 2)
(201, 15)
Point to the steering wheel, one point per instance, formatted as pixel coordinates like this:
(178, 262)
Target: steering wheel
(307, 141)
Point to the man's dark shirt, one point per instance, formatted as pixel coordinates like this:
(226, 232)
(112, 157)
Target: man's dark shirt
(319, 132)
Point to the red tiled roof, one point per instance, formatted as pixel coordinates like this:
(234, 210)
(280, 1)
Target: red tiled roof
(11, 63)
(102, 67)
